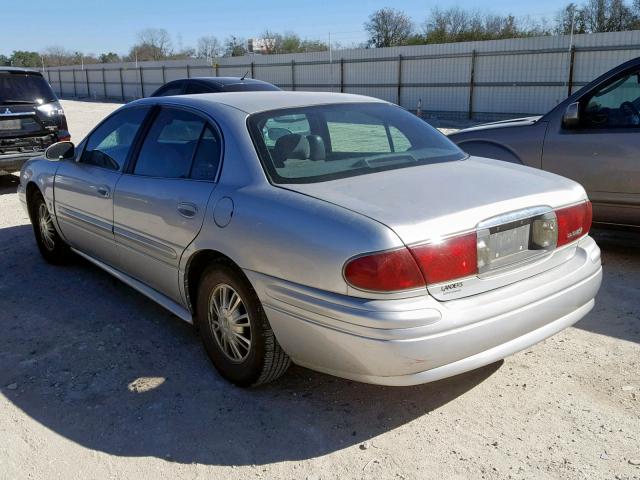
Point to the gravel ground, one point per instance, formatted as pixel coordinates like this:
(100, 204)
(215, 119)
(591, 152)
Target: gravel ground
(99, 382)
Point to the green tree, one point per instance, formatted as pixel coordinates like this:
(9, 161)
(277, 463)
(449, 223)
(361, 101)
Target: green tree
(24, 58)
(109, 57)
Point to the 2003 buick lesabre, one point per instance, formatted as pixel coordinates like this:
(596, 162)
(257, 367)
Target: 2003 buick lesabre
(336, 231)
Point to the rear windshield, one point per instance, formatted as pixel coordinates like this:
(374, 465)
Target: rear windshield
(326, 142)
(249, 87)
(24, 87)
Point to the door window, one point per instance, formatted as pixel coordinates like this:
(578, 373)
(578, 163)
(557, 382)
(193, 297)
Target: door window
(174, 88)
(616, 105)
(193, 88)
(108, 146)
(176, 141)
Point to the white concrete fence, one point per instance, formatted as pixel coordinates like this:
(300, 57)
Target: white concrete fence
(489, 79)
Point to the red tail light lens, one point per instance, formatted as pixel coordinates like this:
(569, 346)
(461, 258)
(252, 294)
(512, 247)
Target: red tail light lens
(573, 222)
(455, 257)
(384, 272)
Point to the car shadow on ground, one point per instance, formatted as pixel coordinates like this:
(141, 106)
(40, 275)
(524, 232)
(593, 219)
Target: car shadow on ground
(8, 183)
(618, 300)
(99, 364)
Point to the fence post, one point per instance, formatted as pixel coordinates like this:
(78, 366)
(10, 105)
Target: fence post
(141, 83)
(342, 75)
(86, 78)
(217, 66)
(188, 71)
(104, 84)
(572, 55)
(293, 75)
(121, 84)
(60, 82)
(252, 70)
(472, 82)
(164, 75)
(75, 88)
(398, 97)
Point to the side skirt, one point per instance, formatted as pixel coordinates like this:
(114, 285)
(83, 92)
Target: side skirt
(162, 300)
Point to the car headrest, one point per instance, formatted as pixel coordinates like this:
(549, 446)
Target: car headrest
(289, 147)
(316, 147)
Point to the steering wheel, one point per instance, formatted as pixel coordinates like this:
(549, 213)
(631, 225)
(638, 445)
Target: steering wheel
(631, 111)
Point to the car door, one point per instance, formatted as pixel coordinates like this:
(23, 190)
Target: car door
(83, 188)
(602, 151)
(160, 203)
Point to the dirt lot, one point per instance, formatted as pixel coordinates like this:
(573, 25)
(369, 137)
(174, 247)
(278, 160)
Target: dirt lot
(96, 381)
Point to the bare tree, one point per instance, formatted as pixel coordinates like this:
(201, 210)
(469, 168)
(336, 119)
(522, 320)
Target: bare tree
(153, 44)
(57, 56)
(208, 47)
(388, 27)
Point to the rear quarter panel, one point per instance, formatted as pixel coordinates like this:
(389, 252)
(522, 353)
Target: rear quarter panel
(515, 144)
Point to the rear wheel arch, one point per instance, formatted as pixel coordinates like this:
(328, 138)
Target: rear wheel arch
(196, 266)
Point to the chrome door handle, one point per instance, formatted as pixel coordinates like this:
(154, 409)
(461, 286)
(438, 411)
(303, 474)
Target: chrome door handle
(187, 210)
(103, 191)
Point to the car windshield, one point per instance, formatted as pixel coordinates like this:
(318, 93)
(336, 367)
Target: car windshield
(24, 88)
(326, 142)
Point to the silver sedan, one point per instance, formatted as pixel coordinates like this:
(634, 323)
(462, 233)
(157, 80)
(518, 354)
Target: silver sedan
(338, 232)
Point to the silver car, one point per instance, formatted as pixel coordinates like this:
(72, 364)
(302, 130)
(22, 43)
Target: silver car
(338, 232)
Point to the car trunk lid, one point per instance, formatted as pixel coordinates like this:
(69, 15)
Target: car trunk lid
(431, 202)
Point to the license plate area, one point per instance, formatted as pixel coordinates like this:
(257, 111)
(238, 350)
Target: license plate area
(516, 237)
(11, 124)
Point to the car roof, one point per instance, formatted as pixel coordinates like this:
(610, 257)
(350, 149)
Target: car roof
(253, 102)
(20, 70)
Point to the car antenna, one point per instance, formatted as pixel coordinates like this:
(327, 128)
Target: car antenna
(245, 74)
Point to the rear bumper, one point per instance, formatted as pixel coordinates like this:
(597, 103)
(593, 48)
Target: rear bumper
(12, 162)
(418, 340)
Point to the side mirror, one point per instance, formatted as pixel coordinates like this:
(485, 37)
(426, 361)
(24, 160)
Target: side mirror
(571, 117)
(60, 151)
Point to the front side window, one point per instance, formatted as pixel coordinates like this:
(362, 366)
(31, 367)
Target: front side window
(325, 142)
(616, 105)
(109, 144)
(179, 144)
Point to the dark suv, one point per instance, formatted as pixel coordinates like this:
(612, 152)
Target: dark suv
(31, 118)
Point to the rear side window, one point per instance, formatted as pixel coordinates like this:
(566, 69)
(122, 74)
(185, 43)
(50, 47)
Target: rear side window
(171, 89)
(179, 145)
(23, 87)
(109, 144)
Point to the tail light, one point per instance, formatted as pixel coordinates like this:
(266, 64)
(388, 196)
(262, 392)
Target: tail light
(389, 271)
(64, 136)
(574, 222)
(457, 256)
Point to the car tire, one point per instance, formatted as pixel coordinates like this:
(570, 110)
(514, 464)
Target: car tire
(52, 247)
(235, 330)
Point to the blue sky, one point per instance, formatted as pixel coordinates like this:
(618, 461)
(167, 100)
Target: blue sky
(111, 25)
